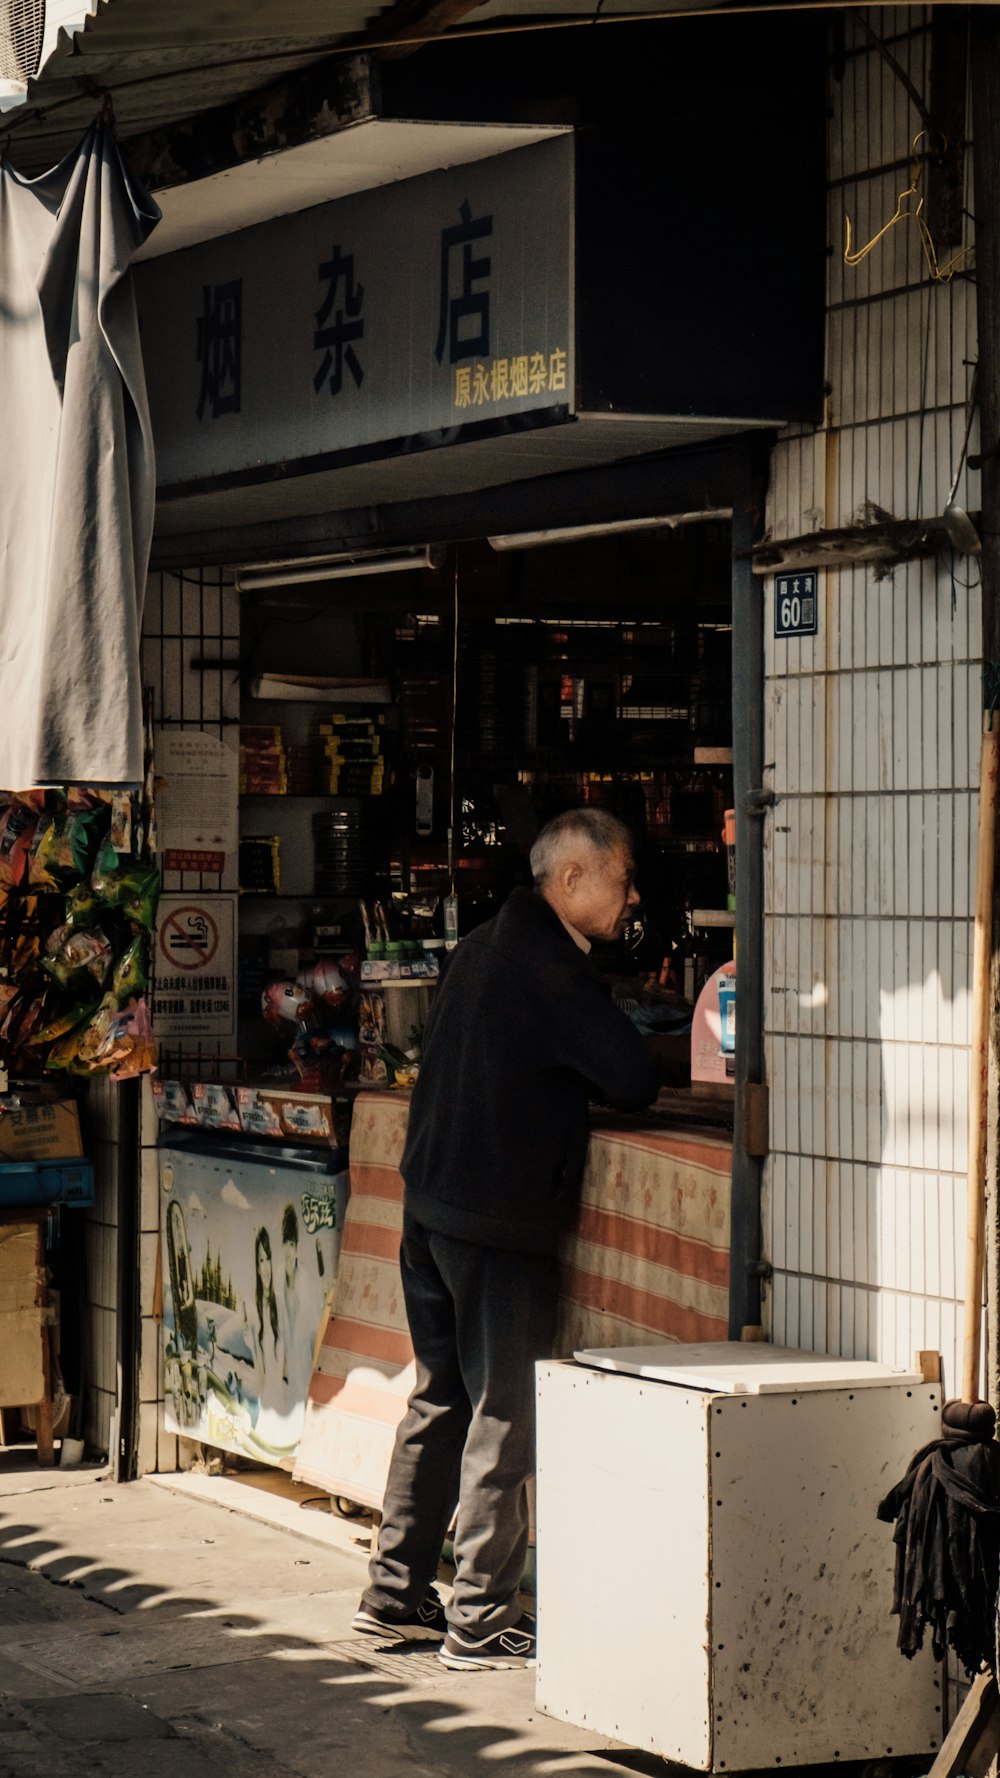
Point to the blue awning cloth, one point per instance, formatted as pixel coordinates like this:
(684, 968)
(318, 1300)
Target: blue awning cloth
(77, 474)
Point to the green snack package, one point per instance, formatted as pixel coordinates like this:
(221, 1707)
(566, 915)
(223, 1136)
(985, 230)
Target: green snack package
(59, 1023)
(130, 976)
(140, 907)
(78, 1049)
(82, 837)
(83, 909)
(127, 886)
(78, 953)
(105, 870)
(43, 853)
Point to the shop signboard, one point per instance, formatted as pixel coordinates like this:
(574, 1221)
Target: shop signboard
(406, 313)
(248, 1256)
(194, 982)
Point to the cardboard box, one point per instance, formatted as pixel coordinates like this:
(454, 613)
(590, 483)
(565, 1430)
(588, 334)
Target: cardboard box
(48, 1130)
(22, 1378)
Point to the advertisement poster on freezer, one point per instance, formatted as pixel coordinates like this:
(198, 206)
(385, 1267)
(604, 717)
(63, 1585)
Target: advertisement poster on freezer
(248, 1254)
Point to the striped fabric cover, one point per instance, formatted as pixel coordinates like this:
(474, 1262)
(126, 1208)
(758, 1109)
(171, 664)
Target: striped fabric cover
(364, 1367)
(648, 1257)
(647, 1260)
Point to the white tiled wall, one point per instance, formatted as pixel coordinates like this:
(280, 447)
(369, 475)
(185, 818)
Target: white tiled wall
(872, 750)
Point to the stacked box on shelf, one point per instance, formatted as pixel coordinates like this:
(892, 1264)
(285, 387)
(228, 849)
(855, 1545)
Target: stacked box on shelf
(352, 761)
(260, 870)
(342, 849)
(425, 710)
(263, 761)
(300, 766)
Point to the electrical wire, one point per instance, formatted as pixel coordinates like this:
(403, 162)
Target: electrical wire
(454, 729)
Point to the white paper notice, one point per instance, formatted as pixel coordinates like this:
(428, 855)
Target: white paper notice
(197, 802)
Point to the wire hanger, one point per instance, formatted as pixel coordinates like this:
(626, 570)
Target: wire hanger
(942, 274)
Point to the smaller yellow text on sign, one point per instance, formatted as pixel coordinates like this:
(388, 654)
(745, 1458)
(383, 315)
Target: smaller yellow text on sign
(509, 379)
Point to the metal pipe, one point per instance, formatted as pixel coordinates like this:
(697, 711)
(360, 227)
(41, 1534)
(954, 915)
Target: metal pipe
(984, 70)
(982, 938)
(748, 767)
(610, 528)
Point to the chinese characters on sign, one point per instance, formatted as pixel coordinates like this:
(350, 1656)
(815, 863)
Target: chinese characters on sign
(407, 311)
(796, 603)
(220, 348)
(337, 342)
(191, 859)
(470, 305)
(504, 379)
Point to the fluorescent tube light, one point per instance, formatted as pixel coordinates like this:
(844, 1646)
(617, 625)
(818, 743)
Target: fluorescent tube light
(345, 566)
(612, 528)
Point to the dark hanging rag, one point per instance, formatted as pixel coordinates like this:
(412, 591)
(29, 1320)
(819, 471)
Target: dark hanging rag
(947, 1537)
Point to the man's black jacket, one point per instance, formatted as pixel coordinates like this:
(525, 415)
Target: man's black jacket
(521, 1034)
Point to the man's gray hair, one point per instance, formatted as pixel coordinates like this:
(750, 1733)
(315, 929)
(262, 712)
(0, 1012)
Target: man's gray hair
(595, 827)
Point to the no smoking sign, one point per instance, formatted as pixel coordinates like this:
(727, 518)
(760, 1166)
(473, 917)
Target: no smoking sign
(194, 989)
(189, 937)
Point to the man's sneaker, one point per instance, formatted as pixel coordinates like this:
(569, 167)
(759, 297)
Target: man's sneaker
(505, 1648)
(427, 1624)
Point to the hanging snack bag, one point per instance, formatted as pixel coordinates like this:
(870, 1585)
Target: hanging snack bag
(82, 908)
(78, 1050)
(106, 867)
(17, 830)
(131, 974)
(121, 821)
(43, 852)
(24, 935)
(57, 1024)
(136, 1046)
(140, 906)
(75, 954)
(132, 887)
(85, 827)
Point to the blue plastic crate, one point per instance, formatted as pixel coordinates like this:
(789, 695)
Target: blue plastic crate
(25, 1184)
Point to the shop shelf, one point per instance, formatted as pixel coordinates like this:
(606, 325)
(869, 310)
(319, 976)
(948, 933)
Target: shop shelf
(25, 1184)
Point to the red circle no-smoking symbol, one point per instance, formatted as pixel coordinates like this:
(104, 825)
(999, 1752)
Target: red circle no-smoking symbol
(189, 938)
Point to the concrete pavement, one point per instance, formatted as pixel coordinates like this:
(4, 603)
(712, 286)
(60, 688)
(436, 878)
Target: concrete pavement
(147, 1633)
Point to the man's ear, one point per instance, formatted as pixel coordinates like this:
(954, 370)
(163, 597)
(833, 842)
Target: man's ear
(571, 874)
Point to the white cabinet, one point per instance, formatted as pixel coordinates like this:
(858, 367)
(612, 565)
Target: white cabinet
(713, 1584)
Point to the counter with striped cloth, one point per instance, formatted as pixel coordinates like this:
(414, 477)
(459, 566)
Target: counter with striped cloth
(647, 1260)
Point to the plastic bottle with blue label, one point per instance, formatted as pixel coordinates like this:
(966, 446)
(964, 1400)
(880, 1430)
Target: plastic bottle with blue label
(727, 1014)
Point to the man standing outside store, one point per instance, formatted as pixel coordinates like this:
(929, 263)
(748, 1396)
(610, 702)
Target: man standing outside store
(521, 1035)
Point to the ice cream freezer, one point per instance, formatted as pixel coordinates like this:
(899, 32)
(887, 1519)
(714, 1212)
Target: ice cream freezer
(250, 1236)
(713, 1585)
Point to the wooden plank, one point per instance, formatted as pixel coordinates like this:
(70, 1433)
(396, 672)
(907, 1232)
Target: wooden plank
(890, 540)
(975, 1726)
(929, 1366)
(44, 1440)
